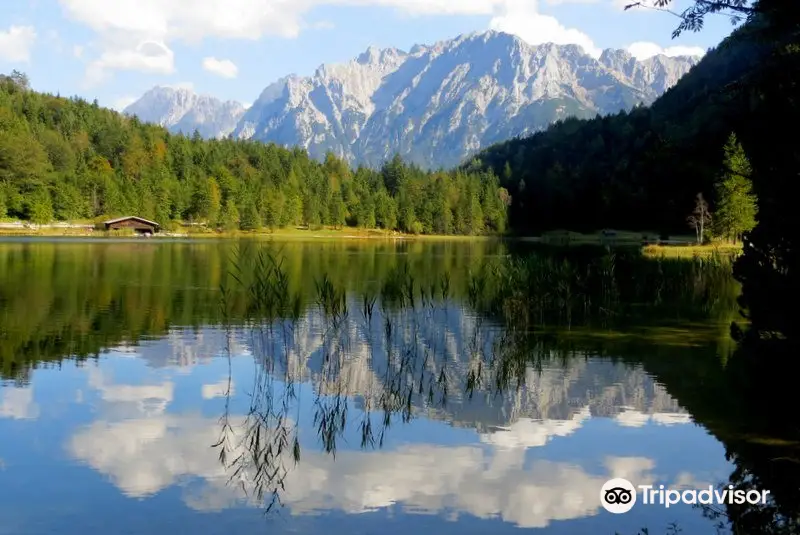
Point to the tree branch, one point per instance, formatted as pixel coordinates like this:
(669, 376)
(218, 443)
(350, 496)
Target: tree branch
(654, 8)
(717, 5)
(683, 16)
(693, 16)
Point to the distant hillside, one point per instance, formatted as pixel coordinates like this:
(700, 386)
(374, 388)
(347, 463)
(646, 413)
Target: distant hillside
(637, 170)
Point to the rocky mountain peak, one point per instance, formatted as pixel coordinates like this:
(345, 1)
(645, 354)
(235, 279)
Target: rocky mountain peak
(375, 56)
(434, 105)
(183, 110)
(610, 55)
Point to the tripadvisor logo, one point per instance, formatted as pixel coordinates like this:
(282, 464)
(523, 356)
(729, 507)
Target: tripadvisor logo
(619, 496)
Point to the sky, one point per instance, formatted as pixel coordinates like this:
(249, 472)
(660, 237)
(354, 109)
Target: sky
(115, 50)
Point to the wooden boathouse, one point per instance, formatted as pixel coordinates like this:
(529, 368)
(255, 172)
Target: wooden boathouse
(137, 224)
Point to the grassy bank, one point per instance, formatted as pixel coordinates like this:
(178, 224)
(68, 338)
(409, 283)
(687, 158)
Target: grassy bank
(652, 244)
(612, 237)
(348, 233)
(690, 251)
(298, 233)
(601, 237)
(54, 232)
(688, 334)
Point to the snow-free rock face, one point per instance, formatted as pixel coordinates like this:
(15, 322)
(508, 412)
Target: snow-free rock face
(436, 105)
(181, 110)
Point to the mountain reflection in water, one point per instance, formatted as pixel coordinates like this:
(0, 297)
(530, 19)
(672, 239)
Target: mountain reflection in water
(144, 448)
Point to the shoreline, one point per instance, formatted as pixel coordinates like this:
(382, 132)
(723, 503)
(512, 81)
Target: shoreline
(672, 248)
(320, 234)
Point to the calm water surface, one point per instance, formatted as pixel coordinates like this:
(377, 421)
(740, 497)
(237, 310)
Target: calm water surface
(144, 392)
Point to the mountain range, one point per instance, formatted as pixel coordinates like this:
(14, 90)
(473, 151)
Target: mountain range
(182, 110)
(434, 105)
(555, 393)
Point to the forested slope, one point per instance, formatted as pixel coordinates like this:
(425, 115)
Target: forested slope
(636, 170)
(69, 159)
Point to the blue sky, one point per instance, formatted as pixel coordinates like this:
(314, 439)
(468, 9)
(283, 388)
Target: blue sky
(115, 50)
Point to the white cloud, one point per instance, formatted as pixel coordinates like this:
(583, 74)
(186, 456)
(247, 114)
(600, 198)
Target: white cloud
(77, 51)
(671, 418)
(123, 102)
(132, 400)
(182, 350)
(146, 56)
(634, 418)
(127, 455)
(16, 43)
(191, 21)
(643, 50)
(18, 404)
(144, 456)
(218, 389)
(528, 433)
(521, 18)
(221, 67)
(124, 26)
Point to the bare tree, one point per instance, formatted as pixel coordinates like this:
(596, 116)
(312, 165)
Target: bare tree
(700, 218)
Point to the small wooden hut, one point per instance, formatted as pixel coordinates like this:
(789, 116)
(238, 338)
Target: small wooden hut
(138, 224)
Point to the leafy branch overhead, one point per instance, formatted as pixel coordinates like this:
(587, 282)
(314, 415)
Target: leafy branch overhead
(693, 17)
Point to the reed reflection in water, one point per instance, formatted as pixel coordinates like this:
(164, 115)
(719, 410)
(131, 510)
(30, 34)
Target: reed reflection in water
(399, 331)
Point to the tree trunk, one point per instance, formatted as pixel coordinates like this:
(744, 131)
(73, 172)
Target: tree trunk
(702, 224)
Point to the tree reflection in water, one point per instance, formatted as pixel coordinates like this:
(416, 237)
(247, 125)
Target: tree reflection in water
(750, 408)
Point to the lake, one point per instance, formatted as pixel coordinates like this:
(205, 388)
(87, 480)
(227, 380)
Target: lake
(360, 387)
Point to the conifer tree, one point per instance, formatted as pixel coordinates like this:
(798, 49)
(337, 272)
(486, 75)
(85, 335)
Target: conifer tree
(736, 203)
